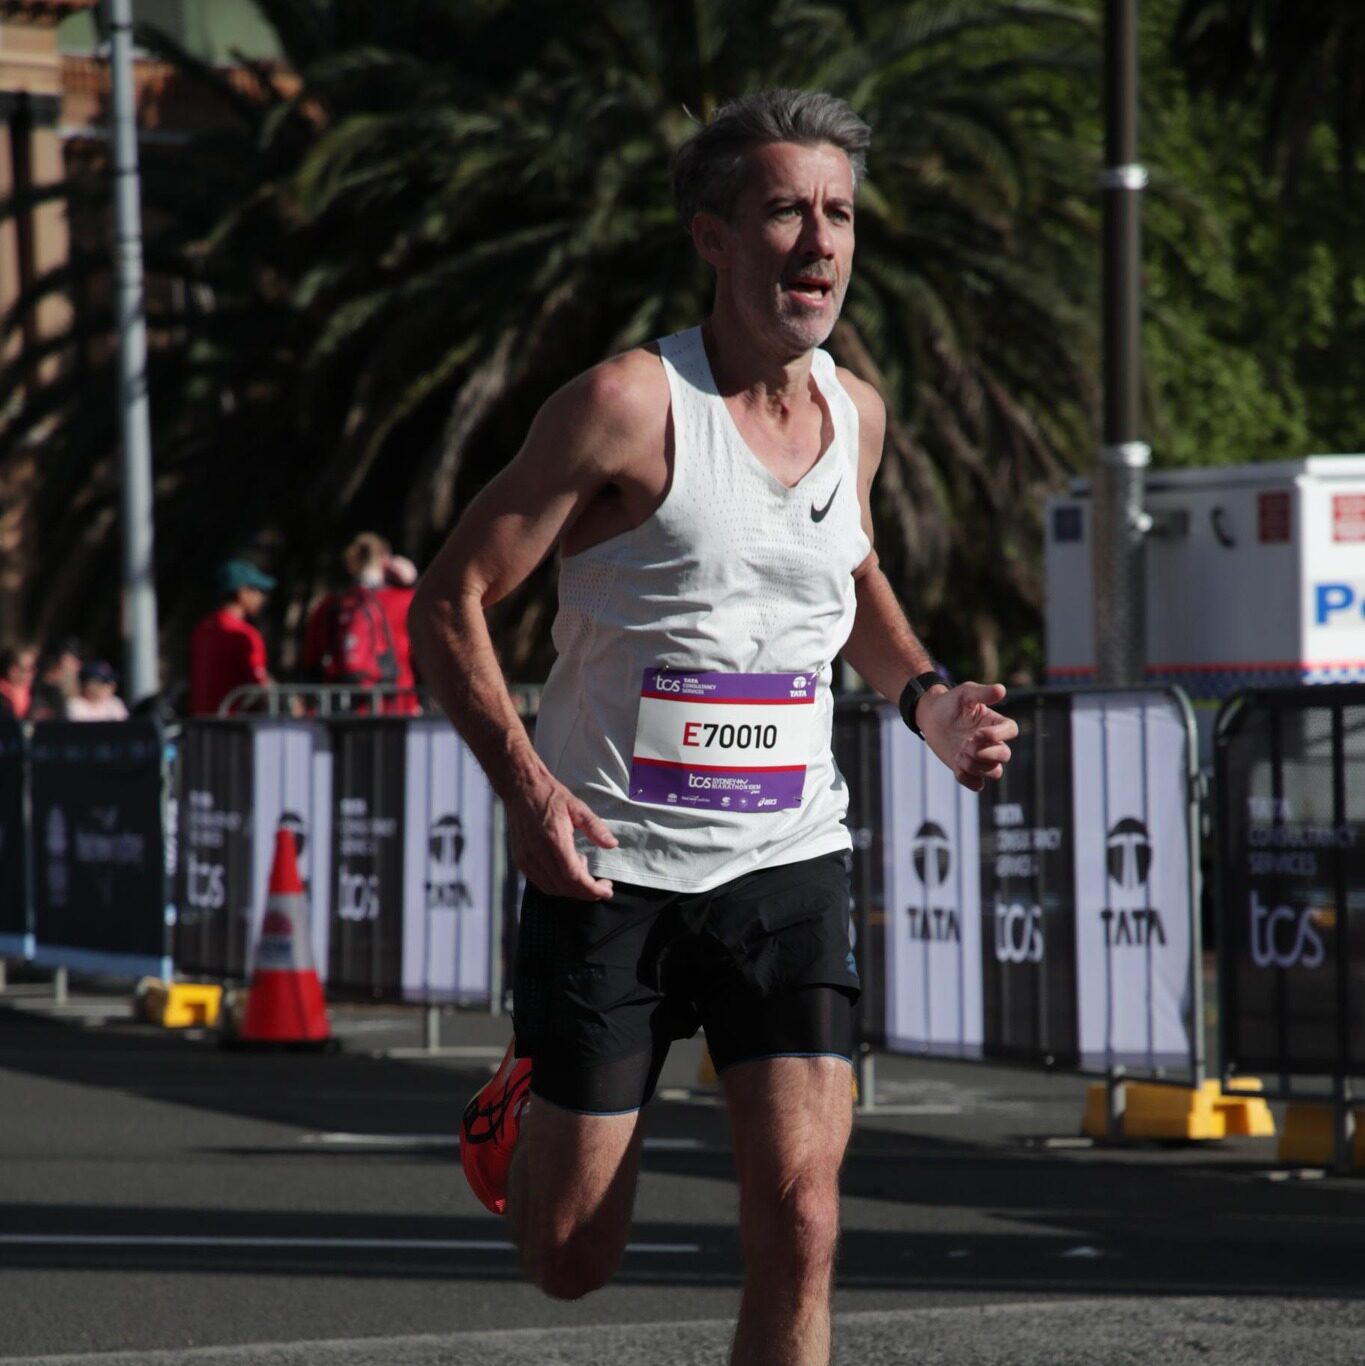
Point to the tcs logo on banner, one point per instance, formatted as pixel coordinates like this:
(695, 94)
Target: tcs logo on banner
(1018, 932)
(1282, 937)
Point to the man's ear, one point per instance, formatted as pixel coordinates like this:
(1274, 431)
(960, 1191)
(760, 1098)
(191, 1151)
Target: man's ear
(711, 237)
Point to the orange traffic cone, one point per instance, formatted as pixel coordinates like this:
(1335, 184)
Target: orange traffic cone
(285, 1005)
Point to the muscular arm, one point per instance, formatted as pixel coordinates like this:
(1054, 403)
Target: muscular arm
(958, 724)
(578, 445)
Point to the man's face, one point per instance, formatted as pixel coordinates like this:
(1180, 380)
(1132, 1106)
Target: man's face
(787, 253)
(252, 600)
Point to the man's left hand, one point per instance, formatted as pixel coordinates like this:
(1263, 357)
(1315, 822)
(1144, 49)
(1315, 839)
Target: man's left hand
(963, 729)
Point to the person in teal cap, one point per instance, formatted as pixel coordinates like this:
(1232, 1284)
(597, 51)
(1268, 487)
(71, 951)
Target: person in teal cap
(226, 650)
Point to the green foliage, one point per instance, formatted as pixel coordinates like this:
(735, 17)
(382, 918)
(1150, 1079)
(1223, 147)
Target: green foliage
(363, 287)
(1253, 282)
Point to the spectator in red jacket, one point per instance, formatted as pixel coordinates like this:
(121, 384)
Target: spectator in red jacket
(350, 639)
(226, 650)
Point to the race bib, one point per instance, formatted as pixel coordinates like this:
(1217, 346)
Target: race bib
(730, 742)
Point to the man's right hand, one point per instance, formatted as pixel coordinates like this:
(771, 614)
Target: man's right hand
(541, 822)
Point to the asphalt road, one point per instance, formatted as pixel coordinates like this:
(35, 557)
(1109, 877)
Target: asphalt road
(162, 1201)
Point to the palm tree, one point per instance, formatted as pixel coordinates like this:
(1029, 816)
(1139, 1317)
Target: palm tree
(1302, 61)
(460, 206)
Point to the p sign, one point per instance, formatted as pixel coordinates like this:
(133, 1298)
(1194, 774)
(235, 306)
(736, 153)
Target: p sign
(1337, 604)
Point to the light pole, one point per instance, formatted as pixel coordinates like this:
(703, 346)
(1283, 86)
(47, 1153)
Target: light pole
(1120, 523)
(141, 673)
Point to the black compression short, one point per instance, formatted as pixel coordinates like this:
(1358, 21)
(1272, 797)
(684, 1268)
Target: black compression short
(603, 988)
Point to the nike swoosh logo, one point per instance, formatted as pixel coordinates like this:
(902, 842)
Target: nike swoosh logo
(818, 514)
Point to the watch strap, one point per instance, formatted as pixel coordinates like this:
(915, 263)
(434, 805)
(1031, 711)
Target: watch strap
(911, 694)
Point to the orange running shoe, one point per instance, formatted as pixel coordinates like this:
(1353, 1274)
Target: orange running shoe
(488, 1132)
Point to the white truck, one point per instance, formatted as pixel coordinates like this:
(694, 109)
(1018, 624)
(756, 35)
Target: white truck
(1255, 577)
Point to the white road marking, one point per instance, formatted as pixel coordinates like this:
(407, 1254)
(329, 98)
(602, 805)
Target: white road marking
(367, 1244)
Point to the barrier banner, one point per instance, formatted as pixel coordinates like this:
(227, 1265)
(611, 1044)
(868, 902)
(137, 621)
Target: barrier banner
(1131, 777)
(99, 896)
(1291, 823)
(933, 961)
(1051, 920)
(14, 929)
(365, 953)
(448, 893)
(1028, 893)
(240, 781)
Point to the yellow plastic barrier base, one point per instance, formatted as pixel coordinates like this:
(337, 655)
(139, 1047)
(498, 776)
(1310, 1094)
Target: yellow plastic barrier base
(1308, 1139)
(706, 1069)
(1178, 1114)
(178, 1005)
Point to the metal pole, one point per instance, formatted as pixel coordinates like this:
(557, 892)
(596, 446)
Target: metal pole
(139, 588)
(1120, 523)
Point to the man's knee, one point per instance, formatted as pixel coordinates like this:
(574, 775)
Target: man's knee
(569, 1268)
(796, 1223)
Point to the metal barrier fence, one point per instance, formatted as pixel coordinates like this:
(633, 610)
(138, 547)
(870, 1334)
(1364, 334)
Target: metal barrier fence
(1290, 818)
(400, 841)
(82, 820)
(1053, 921)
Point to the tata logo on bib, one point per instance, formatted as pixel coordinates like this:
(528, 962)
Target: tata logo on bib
(1127, 918)
(931, 854)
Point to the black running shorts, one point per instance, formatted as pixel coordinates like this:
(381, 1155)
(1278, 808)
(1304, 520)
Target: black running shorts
(602, 988)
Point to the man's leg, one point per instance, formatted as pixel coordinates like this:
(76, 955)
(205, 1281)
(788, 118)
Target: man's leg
(570, 1194)
(790, 1119)
(587, 1024)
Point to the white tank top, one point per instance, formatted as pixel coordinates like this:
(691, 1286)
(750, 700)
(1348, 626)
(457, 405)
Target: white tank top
(690, 703)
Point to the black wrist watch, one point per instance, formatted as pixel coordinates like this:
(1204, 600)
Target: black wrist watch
(914, 690)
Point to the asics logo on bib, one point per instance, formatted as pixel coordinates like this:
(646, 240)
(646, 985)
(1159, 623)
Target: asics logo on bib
(818, 514)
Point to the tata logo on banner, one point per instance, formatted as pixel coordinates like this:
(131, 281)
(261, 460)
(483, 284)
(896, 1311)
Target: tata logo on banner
(931, 855)
(1128, 858)
(445, 886)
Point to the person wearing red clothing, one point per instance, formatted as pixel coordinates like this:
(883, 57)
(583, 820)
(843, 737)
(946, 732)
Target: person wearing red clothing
(395, 597)
(357, 636)
(226, 650)
(18, 665)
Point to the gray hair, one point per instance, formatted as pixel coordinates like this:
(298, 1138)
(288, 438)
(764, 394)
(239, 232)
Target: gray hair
(708, 169)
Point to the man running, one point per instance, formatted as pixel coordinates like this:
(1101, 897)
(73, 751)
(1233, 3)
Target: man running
(679, 818)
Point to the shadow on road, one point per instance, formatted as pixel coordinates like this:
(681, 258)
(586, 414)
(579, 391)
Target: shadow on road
(1101, 1221)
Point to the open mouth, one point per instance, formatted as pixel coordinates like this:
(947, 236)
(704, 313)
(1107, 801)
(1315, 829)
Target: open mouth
(811, 290)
